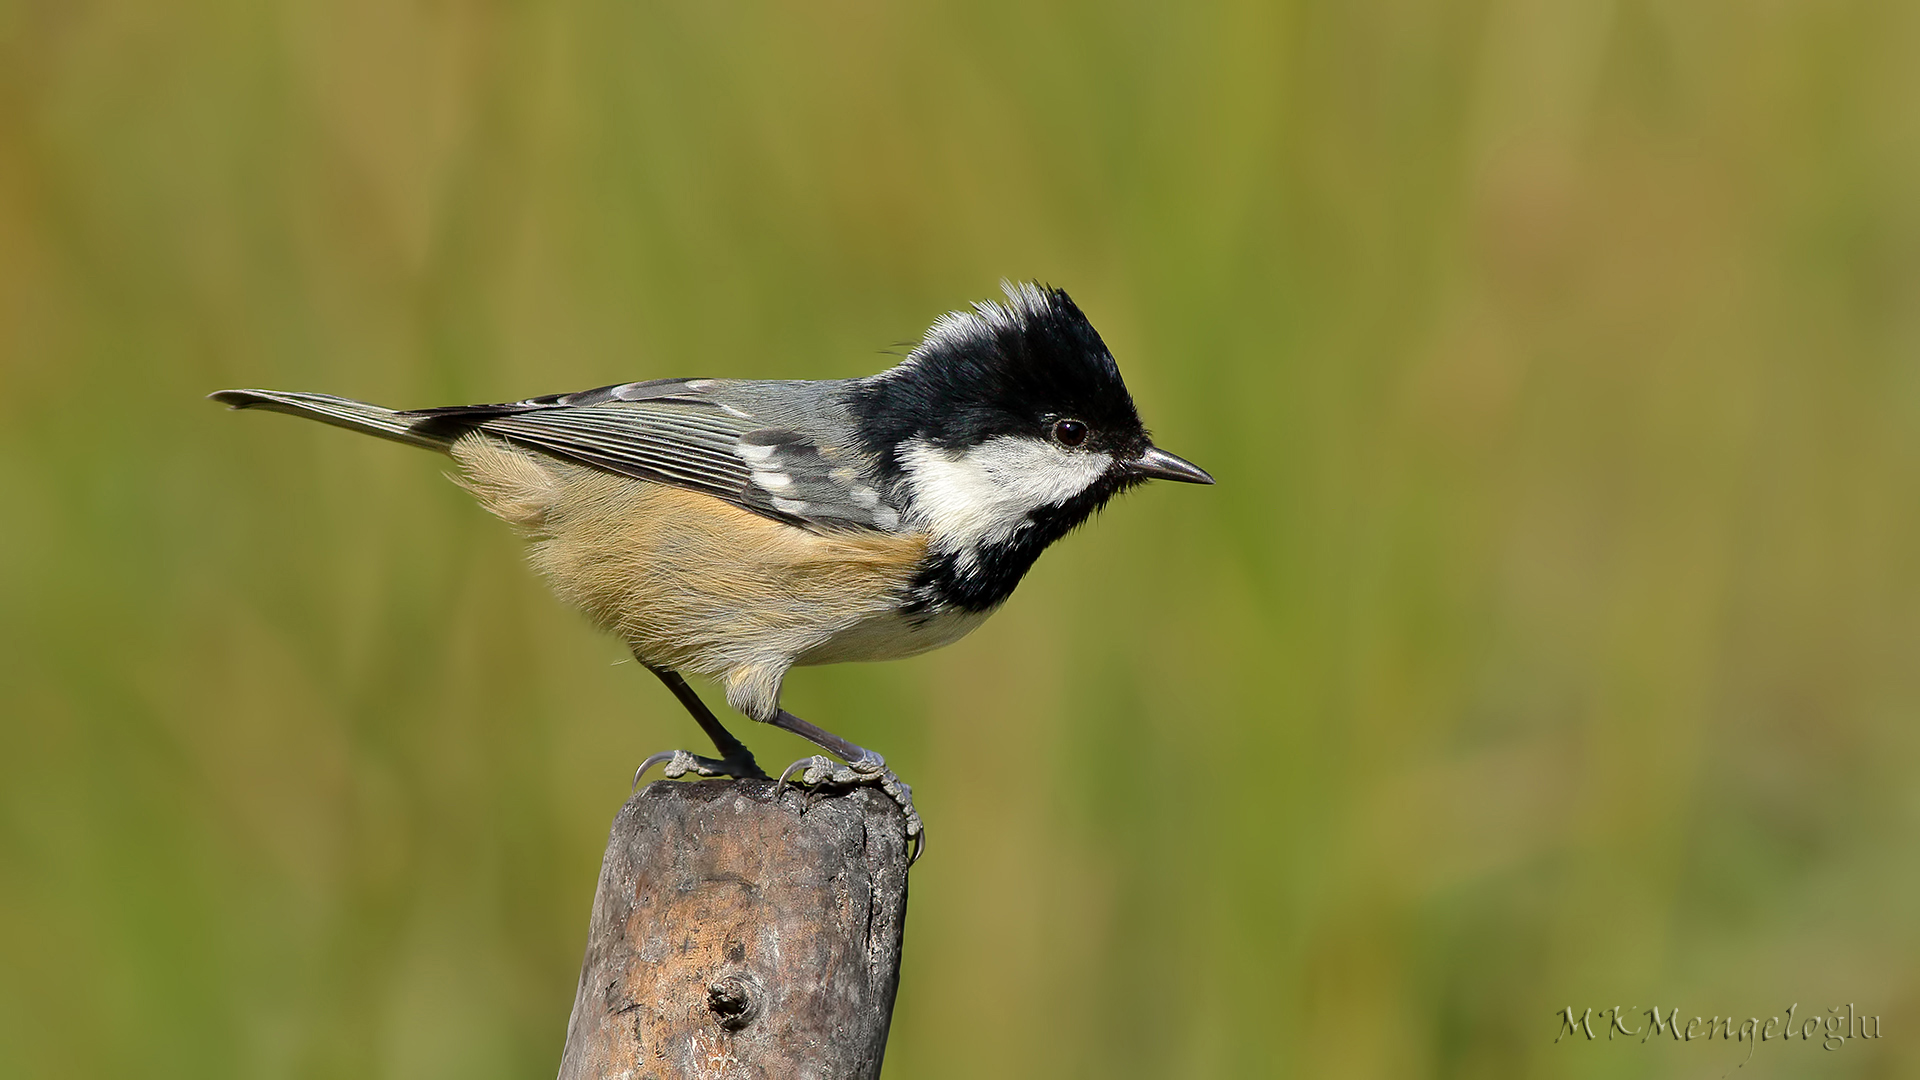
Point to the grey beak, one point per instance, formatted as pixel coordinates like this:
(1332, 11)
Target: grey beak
(1157, 464)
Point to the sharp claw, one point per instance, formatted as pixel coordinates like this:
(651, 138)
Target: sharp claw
(652, 760)
(680, 763)
(811, 770)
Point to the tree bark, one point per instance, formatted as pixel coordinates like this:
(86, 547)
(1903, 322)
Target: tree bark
(734, 937)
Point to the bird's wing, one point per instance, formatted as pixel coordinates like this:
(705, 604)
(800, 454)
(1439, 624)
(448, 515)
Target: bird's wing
(673, 431)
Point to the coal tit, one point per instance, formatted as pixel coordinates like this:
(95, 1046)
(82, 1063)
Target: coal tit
(736, 528)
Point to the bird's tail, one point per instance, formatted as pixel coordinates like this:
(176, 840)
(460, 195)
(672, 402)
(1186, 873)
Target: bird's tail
(346, 413)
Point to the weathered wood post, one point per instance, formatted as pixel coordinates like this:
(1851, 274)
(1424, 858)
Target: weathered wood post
(733, 936)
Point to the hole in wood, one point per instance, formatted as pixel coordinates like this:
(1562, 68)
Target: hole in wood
(734, 1001)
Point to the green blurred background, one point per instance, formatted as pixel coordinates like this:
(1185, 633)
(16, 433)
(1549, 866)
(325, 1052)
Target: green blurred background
(1549, 639)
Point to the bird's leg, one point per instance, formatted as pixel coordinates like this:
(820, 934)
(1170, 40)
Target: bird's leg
(862, 766)
(734, 760)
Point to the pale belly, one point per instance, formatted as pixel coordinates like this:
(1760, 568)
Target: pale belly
(892, 636)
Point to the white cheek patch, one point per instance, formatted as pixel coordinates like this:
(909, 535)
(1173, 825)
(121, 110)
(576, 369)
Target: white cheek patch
(983, 496)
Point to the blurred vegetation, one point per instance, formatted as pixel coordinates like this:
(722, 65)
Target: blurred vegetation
(1549, 639)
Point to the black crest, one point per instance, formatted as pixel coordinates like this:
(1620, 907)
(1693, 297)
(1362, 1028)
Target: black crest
(1001, 369)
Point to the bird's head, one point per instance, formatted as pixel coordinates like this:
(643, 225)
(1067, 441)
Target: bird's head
(1009, 425)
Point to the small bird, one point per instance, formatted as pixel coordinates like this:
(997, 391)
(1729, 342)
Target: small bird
(737, 528)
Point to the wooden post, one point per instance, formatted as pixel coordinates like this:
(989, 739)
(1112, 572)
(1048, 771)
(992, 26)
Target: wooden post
(736, 937)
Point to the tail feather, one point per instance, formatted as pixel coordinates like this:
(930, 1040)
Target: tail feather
(346, 413)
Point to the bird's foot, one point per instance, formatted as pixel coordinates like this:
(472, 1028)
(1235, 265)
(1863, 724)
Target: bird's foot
(820, 769)
(681, 763)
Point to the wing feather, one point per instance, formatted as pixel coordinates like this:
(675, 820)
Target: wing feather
(669, 431)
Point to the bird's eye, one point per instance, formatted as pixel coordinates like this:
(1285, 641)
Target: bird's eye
(1069, 432)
